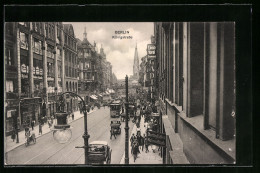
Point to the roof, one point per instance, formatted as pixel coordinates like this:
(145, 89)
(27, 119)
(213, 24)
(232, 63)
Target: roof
(99, 142)
(68, 28)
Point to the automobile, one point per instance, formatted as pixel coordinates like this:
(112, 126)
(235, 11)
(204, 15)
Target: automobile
(115, 127)
(99, 152)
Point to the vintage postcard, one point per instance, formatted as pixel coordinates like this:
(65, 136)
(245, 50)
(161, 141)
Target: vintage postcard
(119, 93)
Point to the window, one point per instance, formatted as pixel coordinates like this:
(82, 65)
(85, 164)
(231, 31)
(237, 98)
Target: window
(50, 69)
(37, 67)
(59, 69)
(37, 46)
(58, 53)
(50, 31)
(24, 64)
(8, 56)
(23, 41)
(65, 38)
(9, 28)
(46, 30)
(66, 70)
(9, 86)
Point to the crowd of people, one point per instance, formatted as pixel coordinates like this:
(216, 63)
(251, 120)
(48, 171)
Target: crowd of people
(138, 141)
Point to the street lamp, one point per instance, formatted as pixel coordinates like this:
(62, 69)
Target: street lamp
(62, 131)
(126, 122)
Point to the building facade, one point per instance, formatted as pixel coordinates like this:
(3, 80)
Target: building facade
(34, 68)
(196, 87)
(71, 66)
(95, 72)
(87, 67)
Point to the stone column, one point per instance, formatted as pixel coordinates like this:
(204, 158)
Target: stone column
(30, 53)
(62, 63)
(17, 52)
(55, 58)
(45, 83)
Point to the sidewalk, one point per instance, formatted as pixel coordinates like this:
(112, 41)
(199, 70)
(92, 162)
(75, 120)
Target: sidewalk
(143, 158)
(10, 145)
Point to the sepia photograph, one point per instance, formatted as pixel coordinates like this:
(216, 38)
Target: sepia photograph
(119, 93)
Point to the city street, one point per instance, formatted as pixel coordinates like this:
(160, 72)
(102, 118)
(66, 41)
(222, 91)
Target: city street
(47, 151)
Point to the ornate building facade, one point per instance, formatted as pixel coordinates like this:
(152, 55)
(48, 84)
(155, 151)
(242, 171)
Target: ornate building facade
(34, 70)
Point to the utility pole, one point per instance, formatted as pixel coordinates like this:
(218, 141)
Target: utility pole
(126, 123)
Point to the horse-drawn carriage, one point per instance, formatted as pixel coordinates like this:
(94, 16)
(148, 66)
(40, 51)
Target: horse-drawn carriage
(99, 152)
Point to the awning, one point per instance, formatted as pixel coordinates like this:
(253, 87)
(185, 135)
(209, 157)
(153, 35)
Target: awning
(93, 97)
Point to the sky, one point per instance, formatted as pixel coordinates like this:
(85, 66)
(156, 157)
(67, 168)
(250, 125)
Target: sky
(120, 52)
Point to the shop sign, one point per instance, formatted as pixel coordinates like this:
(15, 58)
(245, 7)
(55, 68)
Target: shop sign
(151, 49)
(10, 113)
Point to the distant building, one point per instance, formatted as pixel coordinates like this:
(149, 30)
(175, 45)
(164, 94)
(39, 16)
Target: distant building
(88, 62)
(71, 65)
(136, 65)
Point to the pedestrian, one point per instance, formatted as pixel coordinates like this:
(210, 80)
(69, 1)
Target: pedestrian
(146, 144)
(52, 118)
(26, 129)
(32, 124)
(13, 134)
(135, 151)
(140, 141)
(72, 116)
(40, 128)
(49, 122)
(132, 139)
(112, 133)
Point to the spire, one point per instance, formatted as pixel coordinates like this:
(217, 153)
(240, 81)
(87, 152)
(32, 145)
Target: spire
(101, 49)
(85, 33)
(136, 64)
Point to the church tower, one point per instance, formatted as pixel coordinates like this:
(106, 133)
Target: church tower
(136, 65)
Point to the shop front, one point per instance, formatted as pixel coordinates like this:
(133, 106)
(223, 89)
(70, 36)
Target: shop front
(12, 118)
(30, 110)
